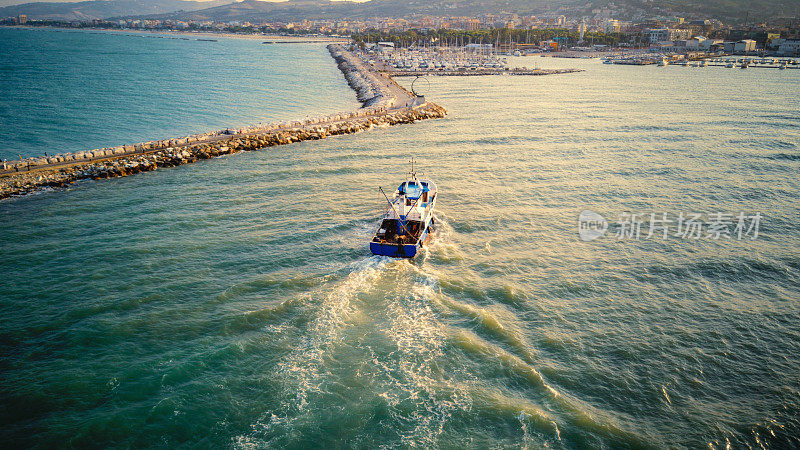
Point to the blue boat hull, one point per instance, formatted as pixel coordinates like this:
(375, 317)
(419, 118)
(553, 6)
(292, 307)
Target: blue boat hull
(394, 250)
(399, 250)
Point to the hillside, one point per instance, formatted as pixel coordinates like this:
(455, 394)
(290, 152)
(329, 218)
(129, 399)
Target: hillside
(102, 9)
(730, 11)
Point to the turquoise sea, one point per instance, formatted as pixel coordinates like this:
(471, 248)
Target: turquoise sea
(70, 90)
(234, 303)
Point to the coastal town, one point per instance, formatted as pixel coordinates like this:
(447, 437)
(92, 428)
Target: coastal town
(501, 33)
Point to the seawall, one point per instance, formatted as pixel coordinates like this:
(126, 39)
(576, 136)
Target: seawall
(384, 103)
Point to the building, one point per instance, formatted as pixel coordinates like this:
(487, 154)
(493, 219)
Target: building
(708, 44)
(695, 42)
(789, 47)
(744, 46)
(667, 34)
(727, 46)
(701, 43)
(611, 26)
(472, 24)
(657, 35)
(478, 47)
(22, 19)
(680, 33)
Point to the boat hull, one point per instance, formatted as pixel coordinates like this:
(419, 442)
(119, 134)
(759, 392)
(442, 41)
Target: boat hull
(394, 250)
(399, 250)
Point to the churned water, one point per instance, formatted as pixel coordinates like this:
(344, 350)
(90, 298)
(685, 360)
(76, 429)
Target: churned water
(234, 303)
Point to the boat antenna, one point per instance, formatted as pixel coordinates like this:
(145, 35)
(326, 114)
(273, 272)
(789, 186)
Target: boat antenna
(399, 220)
(412, 173)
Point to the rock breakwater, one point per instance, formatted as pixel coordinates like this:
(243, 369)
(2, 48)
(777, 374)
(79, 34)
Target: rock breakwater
(371, 88)
(25, 182)
(385, 103)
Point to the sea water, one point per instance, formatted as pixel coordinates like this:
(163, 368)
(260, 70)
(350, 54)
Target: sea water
(234, 302)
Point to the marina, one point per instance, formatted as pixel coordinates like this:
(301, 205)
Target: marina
(469, 60)
(483, 71)
(704, 61)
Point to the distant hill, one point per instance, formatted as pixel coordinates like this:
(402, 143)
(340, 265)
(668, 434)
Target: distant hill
(103, 9)
(730, 11)
(293, 10)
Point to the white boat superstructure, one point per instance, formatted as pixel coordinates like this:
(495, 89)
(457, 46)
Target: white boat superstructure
(408, 220)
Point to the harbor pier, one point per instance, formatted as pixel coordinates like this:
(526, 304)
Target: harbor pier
(384, 103)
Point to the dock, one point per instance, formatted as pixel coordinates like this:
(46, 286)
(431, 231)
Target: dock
(479, 72)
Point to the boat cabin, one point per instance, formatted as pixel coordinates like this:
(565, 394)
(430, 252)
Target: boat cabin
(404, 222)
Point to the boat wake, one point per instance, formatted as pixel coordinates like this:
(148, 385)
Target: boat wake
(301, 371)
(373, 345)
(388, 358)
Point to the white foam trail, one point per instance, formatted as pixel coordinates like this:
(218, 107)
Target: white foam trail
(420, 340)
(303, 365)
(442, 245)
(301, 369)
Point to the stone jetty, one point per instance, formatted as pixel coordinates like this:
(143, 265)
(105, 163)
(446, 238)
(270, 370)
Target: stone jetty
(384, 103)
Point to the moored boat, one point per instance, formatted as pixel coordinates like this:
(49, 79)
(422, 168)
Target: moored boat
(408, 221)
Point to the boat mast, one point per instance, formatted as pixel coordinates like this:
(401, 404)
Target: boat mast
(399, 219)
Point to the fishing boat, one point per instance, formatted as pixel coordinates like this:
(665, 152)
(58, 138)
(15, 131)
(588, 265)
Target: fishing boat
(408, 221)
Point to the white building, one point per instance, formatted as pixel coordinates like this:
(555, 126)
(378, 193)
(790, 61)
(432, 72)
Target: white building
(658, 35)
(789, 47)
(667, 34)
(478, 47)
(611, 26)
(708, 43)
(744, 46)
(695, 43)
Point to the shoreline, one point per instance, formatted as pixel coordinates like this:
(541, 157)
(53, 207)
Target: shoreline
(384, 103)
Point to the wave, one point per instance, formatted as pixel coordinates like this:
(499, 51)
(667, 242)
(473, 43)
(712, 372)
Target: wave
(490, 323)
(785, 156)
(417, 371)
(576, 413)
